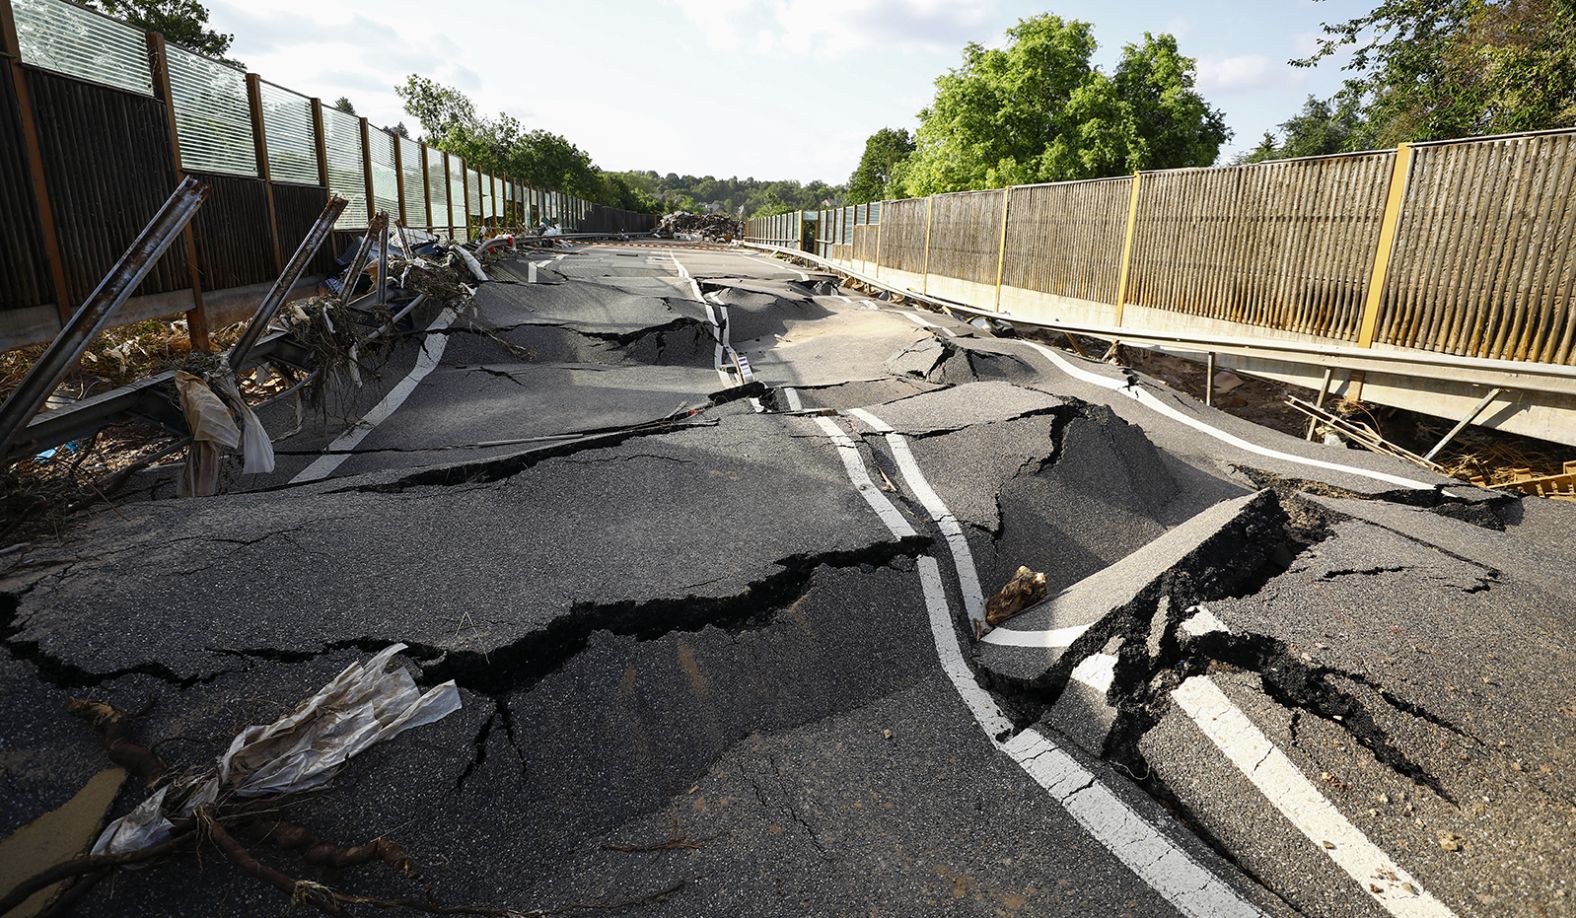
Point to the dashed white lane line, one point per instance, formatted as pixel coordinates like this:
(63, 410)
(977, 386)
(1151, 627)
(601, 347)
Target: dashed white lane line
(1148, 400)
(1189, 886)
(792, 395)
(530, 273)
(957, 542)
(1290, 791)
(341, 448)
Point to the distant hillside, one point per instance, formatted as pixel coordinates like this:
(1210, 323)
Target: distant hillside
(735, 196)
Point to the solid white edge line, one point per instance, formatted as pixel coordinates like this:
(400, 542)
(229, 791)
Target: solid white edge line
(957, 542)
(1289, 791)
(432, 347)
(1189, 886)
(857, 474)
(1148, 400)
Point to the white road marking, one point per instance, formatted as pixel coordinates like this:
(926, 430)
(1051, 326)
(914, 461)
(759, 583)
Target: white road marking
(922, 321)
(957, 542)
(1054, 637)
(855, 467)
(1189, 886)
(530, 273)
(1148, 400)
(1098, 671)
(340, 449)
(1290, 791)
(792, 395)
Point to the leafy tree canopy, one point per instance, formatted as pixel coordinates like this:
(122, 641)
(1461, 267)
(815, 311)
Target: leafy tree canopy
(450, 122)
(884, 151)
(1321, 128)
(184, 22)
(1436, 69)
(747, 197)
(1037, 110)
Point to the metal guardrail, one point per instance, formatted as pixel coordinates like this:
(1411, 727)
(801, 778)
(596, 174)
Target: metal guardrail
(1505, 374)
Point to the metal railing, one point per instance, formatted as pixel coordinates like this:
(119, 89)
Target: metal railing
(98, 119)
(1463, 249)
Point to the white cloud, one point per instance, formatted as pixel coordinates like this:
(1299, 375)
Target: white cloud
(836, 28)
(1245, 73)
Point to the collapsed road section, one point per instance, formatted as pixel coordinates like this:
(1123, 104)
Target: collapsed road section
(678, 581)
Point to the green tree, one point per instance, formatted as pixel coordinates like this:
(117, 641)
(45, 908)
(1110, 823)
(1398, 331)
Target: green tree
(885, 151)
(1322, 127)
(184, 22)
(1037, 110)
(344, 104)
(1435, 69)
(450, 122)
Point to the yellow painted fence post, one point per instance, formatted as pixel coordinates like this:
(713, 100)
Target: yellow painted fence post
(1127, 248)
(1387, 228)
(1001, 250)
(930, 210)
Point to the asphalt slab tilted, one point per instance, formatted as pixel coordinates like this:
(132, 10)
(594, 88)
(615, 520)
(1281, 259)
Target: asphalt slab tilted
(717, 631)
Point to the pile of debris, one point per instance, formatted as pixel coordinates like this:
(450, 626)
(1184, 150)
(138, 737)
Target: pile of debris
(708, 227)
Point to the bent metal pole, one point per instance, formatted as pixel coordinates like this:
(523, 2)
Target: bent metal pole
(287, 280)
(95, 313)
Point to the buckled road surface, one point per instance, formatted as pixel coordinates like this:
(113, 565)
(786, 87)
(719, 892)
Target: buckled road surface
(706, 542)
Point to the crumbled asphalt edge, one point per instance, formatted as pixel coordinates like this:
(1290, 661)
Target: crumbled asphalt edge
(1278, 527)
(1494, 511)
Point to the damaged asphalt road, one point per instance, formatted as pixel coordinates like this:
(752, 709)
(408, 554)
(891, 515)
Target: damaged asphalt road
(714, 634)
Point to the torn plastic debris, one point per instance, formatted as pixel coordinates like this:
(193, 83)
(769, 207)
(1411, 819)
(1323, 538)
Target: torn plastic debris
(364, 705)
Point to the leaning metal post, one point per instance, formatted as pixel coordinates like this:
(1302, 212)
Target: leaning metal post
(383, 265)
(304, 253)
(363, 252)
(90, 318)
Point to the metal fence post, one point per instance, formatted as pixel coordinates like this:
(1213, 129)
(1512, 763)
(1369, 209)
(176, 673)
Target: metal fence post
(1387, 230)
(1001, 251)
(1127, 247)
(426, 184)
(321, 142)
(930, 211)
(196, 317)
(448, 194)
(883, 213)
(366, 168)
(465, 212)
(33, 153)
(399, 178)
(254, 98)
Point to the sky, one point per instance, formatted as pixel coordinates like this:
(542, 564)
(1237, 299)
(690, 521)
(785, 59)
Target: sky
(772, 89)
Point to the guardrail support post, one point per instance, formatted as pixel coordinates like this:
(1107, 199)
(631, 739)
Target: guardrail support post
(33, 154)
(930, 211)
(1127, 248)
(122, 279)
(1001, 250)
(196, 317)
